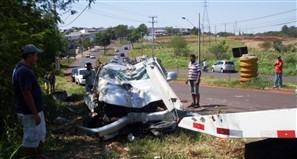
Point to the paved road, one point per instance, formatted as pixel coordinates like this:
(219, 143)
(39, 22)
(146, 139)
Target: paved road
(81, 59)
(215, 99)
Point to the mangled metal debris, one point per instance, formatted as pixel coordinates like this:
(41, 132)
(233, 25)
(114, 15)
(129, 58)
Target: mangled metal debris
(126, 93)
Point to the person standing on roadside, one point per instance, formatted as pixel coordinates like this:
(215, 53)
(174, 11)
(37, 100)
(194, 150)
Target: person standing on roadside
(278, 69)
(193, 79)
(46, 83)
(98, 65)
(52, 81)
(29, 102)
(204, 65)
(89, 75)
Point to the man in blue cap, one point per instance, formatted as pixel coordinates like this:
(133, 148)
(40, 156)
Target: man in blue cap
(29, 102)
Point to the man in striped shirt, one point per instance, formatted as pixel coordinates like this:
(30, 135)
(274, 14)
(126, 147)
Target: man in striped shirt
(194, 74)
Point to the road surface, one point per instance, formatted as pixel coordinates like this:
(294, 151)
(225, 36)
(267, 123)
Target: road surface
(215, 99)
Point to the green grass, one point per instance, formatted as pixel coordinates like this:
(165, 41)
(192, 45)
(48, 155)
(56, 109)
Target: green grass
(165, 53)
(254, 83)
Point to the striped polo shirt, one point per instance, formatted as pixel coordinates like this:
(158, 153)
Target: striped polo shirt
(193, 69)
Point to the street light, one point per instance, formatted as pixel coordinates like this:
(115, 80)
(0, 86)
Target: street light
(198, 29)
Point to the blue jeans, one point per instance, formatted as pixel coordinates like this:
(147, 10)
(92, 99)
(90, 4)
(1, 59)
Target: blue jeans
(194, 87)
(89, 88)
(278, 80)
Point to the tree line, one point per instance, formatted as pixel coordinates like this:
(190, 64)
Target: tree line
(24, 22)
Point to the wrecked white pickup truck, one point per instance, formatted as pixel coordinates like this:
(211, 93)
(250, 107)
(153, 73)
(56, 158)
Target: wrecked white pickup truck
(131, 96)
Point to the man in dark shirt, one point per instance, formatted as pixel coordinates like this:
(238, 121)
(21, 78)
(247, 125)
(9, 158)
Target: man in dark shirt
(29, 102)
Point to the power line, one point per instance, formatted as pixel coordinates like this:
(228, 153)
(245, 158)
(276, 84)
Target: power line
(285, 23)
(264, 24)
(76, 17)
(257, 18)
(106, 14)
(266, 16)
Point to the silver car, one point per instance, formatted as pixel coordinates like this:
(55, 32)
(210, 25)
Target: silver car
(223, 66)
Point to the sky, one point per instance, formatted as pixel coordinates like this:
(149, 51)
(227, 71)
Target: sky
(247, 16)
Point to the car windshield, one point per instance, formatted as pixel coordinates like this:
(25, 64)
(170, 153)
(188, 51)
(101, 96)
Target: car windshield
(229, 62)
(123, 75)
(74, 71)
(82, 72)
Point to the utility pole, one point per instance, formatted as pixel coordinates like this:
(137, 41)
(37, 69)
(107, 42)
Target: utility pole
(225, 31)
(141, 43)
(199, 35)
(215, 33)
(153, 33)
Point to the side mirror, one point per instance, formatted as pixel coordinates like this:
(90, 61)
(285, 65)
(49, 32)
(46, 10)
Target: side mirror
(171, 76)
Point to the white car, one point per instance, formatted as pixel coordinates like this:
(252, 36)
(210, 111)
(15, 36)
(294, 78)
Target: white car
(223, 66)
(79, 76)
(92, 56)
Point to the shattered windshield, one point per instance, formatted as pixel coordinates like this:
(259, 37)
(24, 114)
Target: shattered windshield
(124, 75)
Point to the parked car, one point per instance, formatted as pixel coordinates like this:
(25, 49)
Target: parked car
(126, 48)
(223, 66)
(92, 56)
(116, 50)
(87, 55)
(73, 72)
(79, 76)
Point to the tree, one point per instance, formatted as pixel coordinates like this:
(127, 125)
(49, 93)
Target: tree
(111, 33)
(266, 45)
(285, 29)
(102, 39)
(194, 31)
(220, 50)
(134, 35)
(278, 45)
(169, 30)
(142, 28)
(23, 22)
(121, 31)
(180, 46)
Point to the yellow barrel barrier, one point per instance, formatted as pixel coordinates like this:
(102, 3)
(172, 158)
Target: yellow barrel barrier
(248, 67)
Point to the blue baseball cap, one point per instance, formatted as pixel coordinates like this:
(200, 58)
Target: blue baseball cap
(30, 48)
